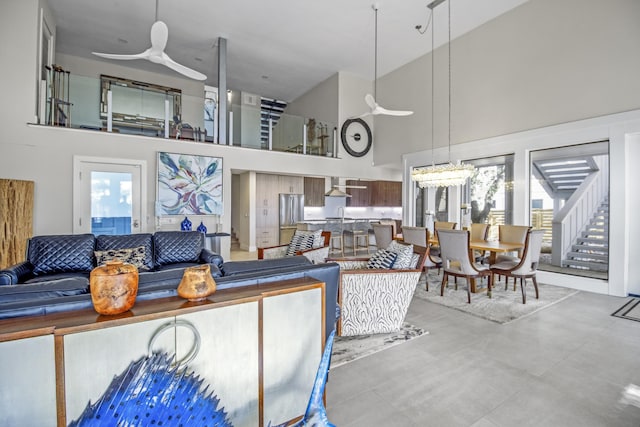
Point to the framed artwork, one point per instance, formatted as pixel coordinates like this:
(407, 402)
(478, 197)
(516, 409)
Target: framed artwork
(189, 184)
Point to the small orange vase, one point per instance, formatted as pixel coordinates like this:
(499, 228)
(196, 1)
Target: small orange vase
(114, 287)
(197, 283)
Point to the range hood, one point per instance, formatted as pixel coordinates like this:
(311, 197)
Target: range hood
(334, 192)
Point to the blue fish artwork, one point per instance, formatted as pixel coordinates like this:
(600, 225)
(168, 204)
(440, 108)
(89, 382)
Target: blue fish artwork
(151, 391)
(316, 413)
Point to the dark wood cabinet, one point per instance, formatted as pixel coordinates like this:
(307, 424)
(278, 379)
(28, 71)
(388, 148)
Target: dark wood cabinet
(376, 193)
(313, 191)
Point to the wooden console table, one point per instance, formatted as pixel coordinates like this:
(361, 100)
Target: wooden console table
(259, 352)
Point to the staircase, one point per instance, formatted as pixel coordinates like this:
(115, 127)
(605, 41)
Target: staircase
(591, 249)
(235, 243)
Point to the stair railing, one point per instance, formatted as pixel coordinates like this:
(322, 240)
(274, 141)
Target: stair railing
(578, 210)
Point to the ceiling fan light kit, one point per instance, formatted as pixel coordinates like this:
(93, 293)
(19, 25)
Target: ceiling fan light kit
(446, 175)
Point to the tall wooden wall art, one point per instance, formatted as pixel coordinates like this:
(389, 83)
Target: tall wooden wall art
(16, 220)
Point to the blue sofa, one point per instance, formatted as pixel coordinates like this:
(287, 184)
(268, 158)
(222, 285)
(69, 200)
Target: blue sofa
(55, 276)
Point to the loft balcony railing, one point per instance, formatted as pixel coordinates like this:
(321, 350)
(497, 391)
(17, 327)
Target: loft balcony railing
(137, 108)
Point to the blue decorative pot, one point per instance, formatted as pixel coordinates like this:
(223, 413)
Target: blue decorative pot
(185, 225)
(202, 228)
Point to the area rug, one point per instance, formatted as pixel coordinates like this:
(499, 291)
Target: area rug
(502, 307)
(348, 349)
(630, 310)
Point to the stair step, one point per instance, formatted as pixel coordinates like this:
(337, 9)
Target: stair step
(590, 249)
(582, 240)
(595, 266)
(584, 256)
(596, 234)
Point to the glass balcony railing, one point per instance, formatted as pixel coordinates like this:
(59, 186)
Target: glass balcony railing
(136, 108)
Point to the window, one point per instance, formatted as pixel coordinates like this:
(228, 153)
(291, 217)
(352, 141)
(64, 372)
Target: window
(489, 192)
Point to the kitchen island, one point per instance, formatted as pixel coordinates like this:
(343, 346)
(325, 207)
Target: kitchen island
(347, 233)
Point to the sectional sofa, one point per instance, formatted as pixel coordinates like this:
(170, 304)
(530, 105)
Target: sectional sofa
(55, 275)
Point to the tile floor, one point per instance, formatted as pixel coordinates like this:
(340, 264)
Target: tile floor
(564, 366)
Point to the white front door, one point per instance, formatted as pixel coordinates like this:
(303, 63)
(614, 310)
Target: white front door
(108, 196)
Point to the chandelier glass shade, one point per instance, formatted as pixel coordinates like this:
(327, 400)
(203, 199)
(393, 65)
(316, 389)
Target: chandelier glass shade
(446, 175)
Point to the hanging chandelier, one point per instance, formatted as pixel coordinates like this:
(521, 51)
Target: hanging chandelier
(446, 175)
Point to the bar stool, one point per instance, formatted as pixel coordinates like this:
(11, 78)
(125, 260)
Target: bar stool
(358, 236)
(335, 227)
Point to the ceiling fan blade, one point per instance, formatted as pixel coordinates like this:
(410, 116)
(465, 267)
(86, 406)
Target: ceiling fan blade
(159, 36)
(370, 100)
(143, 55)
(384, 111)
(186, 71)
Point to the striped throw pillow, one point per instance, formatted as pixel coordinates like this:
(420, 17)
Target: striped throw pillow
(383, 259)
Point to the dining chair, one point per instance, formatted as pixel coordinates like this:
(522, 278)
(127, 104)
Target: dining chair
(512, 234)
(444, 225)
(420, 236)
(524, 268)
(383, 234)
(479, 233)
(457, 260)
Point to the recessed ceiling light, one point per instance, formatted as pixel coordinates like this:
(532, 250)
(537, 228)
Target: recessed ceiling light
(198, 59)
(265, 77)
(123, 41)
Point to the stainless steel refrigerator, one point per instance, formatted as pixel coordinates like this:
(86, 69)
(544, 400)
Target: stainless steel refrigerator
(291, 212)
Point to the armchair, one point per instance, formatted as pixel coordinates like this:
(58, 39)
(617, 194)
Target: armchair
(374, 300)
(316, 254)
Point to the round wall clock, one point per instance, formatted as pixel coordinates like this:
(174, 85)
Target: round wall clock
(356, 137)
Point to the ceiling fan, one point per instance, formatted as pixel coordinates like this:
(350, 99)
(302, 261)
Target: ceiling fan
(155, 54)
(375, 108)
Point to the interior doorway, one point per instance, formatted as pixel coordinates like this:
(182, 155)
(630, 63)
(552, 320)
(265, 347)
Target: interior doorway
(108, 196)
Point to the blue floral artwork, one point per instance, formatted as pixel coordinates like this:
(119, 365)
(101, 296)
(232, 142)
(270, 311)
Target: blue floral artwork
(189, 184)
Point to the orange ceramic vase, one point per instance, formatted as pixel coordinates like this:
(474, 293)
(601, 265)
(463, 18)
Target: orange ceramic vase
(197, 283)
(114, 287)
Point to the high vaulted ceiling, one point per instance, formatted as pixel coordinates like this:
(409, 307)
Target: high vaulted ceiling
(277, 48)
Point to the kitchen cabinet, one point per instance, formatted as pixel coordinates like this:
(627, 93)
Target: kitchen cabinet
(314, 191)
(268, 189)
(28, 388)
(386, 193)
(376, 193)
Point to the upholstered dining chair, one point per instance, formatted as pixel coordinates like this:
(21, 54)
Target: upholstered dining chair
(444, 225)
(512, 234)
(383, 234)
(479, 233)
(457, 260)
(420, 236)
(524, 268)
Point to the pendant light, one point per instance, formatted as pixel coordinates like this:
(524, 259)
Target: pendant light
(446, 175)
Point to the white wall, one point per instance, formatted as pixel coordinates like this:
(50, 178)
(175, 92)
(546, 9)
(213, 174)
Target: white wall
(545, 62)
(320, 103)
(631, 249)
